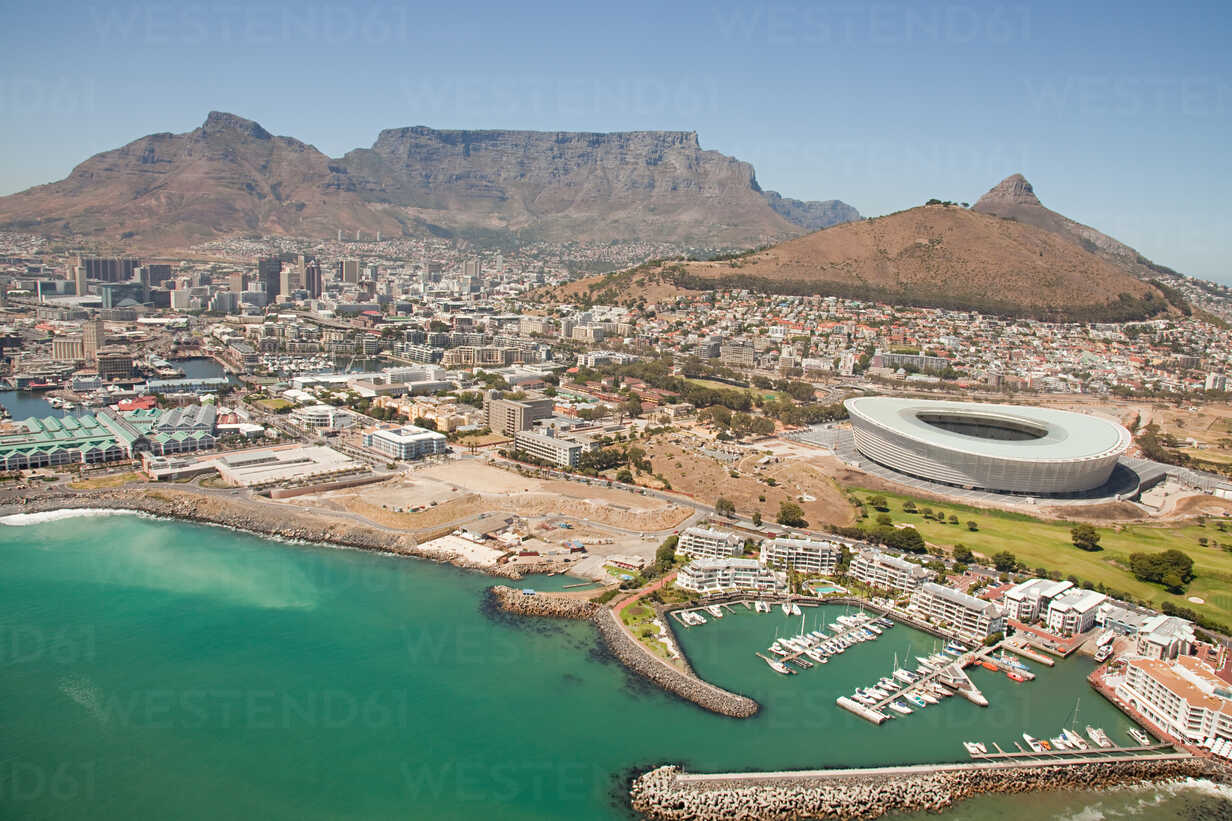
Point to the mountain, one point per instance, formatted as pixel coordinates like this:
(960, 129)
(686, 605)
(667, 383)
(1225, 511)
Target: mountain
(935, 255)
(811, 216)
(231, 177)
(1014, 198)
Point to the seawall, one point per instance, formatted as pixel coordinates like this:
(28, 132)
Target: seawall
(668, 794)
(544, 605)
(625, 648)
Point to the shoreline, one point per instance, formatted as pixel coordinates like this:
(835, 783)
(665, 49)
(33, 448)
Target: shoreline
(242, 514)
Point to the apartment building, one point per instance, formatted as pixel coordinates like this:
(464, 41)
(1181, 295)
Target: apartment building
(559, 450)
(1027, 601)
(973, 619)
(1183, 697)
(508, 416)
(1074, 611)
(1165, 637)
(709, 543)
(728, 575)
(878, 569)
(802, 555)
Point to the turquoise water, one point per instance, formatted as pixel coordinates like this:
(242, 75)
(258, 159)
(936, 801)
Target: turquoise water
(152, 669)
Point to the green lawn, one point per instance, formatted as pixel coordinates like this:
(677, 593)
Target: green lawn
(274, 405)
(768, 393)
(1047, 544)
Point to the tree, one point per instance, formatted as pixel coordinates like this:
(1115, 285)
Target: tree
(757, 518)
(1171, 568)
(909, 507)
(1004, 561)
(963, 554)
(791, 515)
(907, 539)
(633, 406)
(725, 507)
(424, 422)
(884, 519)
(624, 475)
(879, 503)
(666, 554)
(972, 526)
(1085, 537)
(953, 519)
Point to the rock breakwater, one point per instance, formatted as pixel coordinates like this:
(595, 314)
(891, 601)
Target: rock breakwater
(545, 605)
(638, 659)
(666, 794)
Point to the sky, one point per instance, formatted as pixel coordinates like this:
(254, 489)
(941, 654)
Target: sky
(1118, 113)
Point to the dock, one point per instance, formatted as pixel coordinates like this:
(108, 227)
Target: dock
(1028, 653)
(1092, 752)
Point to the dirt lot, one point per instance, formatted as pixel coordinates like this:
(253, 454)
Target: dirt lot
(706, 478)
(456, 491)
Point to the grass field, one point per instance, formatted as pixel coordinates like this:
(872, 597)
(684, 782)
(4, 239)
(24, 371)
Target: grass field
(274, 405)
(1048, 544)
(768, 393)
(114, 480)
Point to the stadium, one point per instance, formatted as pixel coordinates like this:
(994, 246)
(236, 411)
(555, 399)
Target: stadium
(1003, 448)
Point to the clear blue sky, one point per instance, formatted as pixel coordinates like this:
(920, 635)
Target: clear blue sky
(1118, 113)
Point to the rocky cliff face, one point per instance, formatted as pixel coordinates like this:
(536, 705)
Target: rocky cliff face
(231, 176)
(1015, 198)
(811, 216)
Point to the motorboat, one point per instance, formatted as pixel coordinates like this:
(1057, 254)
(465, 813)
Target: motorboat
(1098, 736)
(786, 608)
(715, 611)
(1139, 736)
(1036, 746)
(900, 708)
(1074, 740)
(975, 748)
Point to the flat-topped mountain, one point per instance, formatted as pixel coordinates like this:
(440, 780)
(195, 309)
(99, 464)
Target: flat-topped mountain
(232, 177)
(935, 255)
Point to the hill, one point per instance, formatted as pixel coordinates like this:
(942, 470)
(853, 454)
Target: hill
(1014, 198)
(935, 255)
(231, 177)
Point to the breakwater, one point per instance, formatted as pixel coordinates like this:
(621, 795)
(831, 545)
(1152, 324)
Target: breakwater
(686, 685)
(668, 794)
(544, 605)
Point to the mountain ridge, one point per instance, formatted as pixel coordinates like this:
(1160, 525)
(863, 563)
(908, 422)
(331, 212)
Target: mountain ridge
(230, 177)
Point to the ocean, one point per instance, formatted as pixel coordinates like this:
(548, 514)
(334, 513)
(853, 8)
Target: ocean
(154, 669)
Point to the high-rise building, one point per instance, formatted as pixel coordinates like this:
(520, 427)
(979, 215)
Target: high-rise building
(109, 269)
(289, 280)
(158, 272)
(238, 282)
(93, 337)
(114, 363)
(348, 270)
(79, 280)
(269, 274)
(470, 268)
(312, 279)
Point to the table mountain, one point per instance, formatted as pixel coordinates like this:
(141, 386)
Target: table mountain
(232, 177)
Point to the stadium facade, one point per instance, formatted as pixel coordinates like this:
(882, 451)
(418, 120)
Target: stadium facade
(1005, 448)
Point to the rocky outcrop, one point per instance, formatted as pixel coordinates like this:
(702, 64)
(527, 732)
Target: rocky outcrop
(811, 216)
(662, 794)
(232, 177)
(545, 605)
(1014, 198)
(638, 659)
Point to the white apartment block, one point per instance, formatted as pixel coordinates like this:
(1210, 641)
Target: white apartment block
(408, 442)
(1183, 697)
(878, 569)
(973, 619)
(558, 450)
(1027, 601)
(1074, 611)
(802, 555)
(708, 543)
(713, 576)
(1165, 637)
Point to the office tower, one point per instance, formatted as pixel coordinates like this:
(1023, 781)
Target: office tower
(348, 270)
(269, 274)
(79, 280)
(93, 337)
(238, 282)
(159, 272)
(470, 268)
(312, 279)
(290, 280)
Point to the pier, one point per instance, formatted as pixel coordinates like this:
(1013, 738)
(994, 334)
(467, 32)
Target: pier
(1093, 752)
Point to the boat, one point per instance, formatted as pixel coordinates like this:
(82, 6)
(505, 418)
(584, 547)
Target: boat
(795, 609)
(1075, 741)
(900, 708)
(1103, 654)
(926, 697)
(1139, 736)
(955, 648)
(776, 666)
(1011, 661)
(915, 699)
(925, 663)
(1036, 746)
(715, 611)
(905, 676)
(761, 607)
(1014, 675)
(786, 608)
(1098, 736)
(988, 665)
(975, 748)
